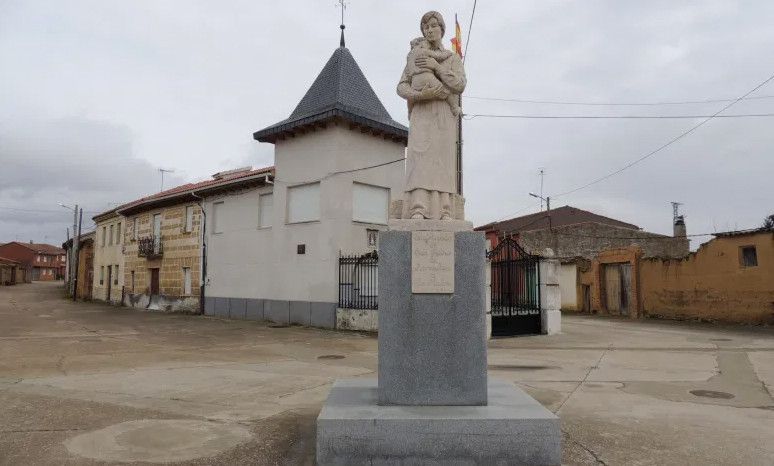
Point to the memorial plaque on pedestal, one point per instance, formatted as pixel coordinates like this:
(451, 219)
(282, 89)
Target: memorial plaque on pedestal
(432, 262)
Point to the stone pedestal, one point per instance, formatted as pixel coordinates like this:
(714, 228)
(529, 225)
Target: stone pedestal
(432, 346)
(433, 404)
(512, 428)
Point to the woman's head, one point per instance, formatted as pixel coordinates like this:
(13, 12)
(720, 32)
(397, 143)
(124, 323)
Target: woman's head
(432, 26)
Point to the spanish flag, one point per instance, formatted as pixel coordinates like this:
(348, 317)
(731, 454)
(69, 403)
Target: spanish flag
(457, 39)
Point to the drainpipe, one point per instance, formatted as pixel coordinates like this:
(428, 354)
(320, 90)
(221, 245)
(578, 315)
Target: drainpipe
(203, 280)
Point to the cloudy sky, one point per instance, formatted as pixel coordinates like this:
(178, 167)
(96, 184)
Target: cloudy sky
(96, 96)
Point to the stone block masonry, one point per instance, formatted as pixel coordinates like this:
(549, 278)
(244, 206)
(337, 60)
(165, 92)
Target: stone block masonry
(181, 249)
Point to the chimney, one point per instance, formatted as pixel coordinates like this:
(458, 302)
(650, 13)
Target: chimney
(31, 242)
(679, 227)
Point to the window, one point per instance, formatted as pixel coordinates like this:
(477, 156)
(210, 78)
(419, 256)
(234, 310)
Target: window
(304, 203)
(748, 257)
(102, 275)
(118, 233)
(189, 218)
(370, 203)
(217, 213)
(265, 209)
(104, 236)
(115, 274)
(133, 280)
(110, 238)
(186, 280)
(136, 227)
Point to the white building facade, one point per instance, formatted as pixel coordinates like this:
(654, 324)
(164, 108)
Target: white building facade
(273, 249)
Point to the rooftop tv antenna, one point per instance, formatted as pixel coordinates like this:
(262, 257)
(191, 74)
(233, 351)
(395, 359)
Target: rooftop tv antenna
(162, 171)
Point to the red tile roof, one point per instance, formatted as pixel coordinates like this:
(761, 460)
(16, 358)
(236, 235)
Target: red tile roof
(4, 260)
(41, 248)
(188, 188)
(559, 217)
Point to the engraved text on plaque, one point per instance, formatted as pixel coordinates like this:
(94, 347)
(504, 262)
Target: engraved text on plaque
(432, 262)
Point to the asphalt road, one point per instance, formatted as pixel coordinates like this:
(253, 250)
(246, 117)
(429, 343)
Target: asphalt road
(87, 383)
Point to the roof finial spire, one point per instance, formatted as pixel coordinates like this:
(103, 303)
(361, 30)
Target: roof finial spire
(343, 6)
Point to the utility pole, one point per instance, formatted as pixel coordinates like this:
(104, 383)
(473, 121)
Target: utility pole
(542, 172)
(77, 239)
(74, 251)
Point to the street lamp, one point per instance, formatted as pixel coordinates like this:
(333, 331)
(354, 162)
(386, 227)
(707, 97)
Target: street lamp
(73, 275)
(547, 199)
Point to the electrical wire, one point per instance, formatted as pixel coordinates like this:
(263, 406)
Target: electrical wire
(470, 116)
(615, 104)
(668, 143)
(470, 29)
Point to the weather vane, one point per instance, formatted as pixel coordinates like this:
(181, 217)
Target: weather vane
(343, 5)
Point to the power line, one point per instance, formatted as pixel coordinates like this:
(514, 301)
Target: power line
(614, 104)
(668, 143)
(403, 159)
(470, 28)
(469, 116)
(43, 210)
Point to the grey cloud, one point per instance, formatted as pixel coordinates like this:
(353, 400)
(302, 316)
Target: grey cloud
(184, 86)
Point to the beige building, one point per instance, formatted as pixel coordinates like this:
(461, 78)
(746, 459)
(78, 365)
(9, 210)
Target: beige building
(108, 257)
(162, 251)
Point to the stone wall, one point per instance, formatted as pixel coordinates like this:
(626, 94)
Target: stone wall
(712, 284)
(589, 239)
(180, 249)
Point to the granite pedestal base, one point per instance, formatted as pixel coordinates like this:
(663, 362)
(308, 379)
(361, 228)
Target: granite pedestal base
(513, 429)
(432, 347)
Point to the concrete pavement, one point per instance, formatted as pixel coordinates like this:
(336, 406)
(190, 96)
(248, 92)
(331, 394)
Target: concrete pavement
(86, 383)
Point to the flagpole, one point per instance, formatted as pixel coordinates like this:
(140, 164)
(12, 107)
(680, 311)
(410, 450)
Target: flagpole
(459, 122)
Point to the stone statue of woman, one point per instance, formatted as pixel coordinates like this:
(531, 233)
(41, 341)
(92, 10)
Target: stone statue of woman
(429, 84)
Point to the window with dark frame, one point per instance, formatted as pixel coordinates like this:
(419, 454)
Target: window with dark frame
(748, 256)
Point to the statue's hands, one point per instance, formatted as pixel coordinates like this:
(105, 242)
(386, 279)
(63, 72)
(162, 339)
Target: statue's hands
(426, 62)
(432, 92)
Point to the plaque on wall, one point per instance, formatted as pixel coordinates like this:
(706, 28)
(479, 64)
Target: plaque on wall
(432, 262)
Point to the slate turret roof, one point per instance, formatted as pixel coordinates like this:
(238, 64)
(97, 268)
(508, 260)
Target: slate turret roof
(341, 91)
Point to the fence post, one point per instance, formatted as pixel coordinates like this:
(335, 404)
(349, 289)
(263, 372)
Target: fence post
(488, 293)
(550, 295)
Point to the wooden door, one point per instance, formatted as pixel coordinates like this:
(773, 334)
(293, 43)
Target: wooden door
(154, 284)
(109, 282)
(612, 288)
(626, 288)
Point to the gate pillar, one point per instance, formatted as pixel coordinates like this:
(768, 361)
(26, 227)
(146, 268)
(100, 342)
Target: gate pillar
(550, 294)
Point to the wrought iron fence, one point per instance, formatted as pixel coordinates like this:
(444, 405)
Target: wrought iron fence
(359, 281)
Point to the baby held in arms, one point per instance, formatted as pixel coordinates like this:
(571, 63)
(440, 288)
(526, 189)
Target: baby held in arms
(423, 77)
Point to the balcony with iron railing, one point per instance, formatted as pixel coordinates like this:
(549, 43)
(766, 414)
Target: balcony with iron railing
(150, 247)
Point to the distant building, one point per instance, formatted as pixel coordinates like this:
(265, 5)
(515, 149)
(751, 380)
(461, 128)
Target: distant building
(43, 262)
(162, 244)
(728, 279)
(11, 272)
(577, 236)
(109, 257)
(85, 279)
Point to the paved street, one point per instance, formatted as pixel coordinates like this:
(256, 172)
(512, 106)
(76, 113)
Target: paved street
(93, 384)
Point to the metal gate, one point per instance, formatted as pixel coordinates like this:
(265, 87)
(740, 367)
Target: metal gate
(515, 290)
(359, 281)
